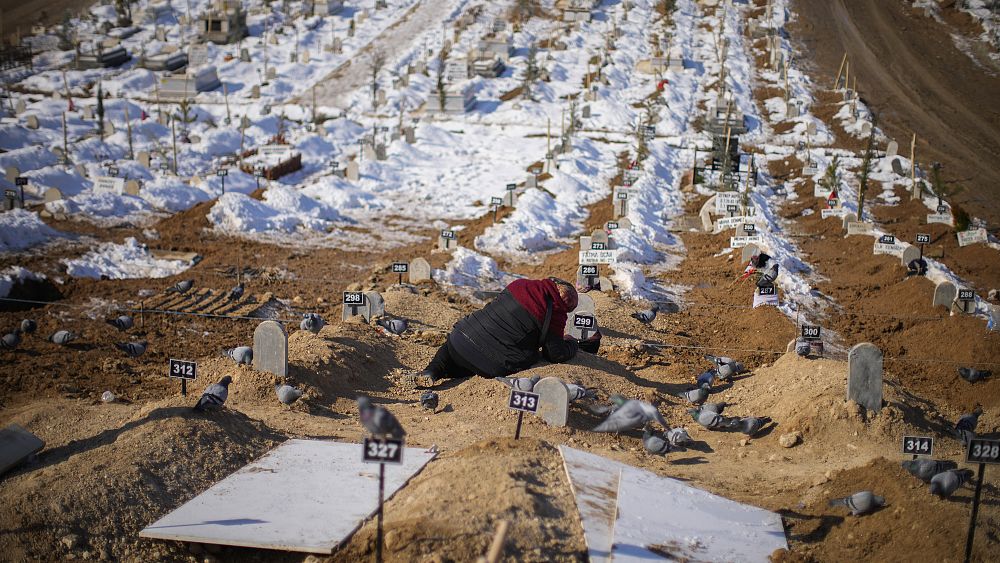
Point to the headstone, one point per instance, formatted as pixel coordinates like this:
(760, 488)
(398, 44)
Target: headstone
(81, 171)
(529, 181)
(88, 112)
(420, 270)
(255, 91)
(811, 128)
(11, 173)
(16, 445)
(109, 128)
(910, 253)
(52, 194)
(581, 324)
(132, 187)
(849, 218)
(410, 135)
(897, 167)
(586, 111)
(374, 306)
(866, 128)
(20, 107)
(380, 153)
(272, 73)
(747, 252)
(892, 149)
(368, 152)
(604, 284)
(553, 401)
(305, 56)
(142, 157)
(244, 55)
(447, 243)
(270, 348)
(353, 173)
(944, 294)
(791, 110)
(31, 122)
(380, 97)
(864, 376)
(600, 236)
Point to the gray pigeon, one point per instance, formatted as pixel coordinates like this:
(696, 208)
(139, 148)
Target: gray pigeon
(577, 392)
(214, 396)
(287, 394)
(727, 367)
(378, 421)
(182, 286)
(656, 444)
(925, 469)
(646, 316)
(519, 383)
(242, 355)
(122, 322)
(11, 340)
(713, 420)
(236, 293)
(312, 322)
(429, 400)
(62, 337)
(751, 425)
(714, 407)
(973, 375)
(679, 437)
(945, 483)
(132, 349)
(965, 428)
(630, 414)
(860, 503)
(697, 395)
(28, 326)
(395, 326)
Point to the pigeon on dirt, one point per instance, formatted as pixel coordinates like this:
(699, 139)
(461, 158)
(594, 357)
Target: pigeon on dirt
(655, 443)
(965, 428)
(286, 393)
(182, 287)
(429, 400)
(697, 395)
(214, 396)
(925, 469)
(11, 340)
(973, 375)
(679, 437)
(62, 337)
(708, 377)
(577, 392)
(630, 413)
(236, 293)
(727, 367)
(132, 349)
(713, 420)
(312, 322)
(28, 326)
(394, 326)
(751, 425)
(379, 421)
(121, 322)
(715, 407)
(646, 316)
(242, 355)
(519, 383)
(945, 483)
(860, 503)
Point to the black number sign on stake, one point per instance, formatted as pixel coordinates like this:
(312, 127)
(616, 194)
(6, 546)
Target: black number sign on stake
(511, 187)
(400, 268)
(612, 225)
(21, 181)
(183, 370)
(966, 295)
(810, 332)
(982, 452)
(918, 445)
(588, 270)
(522, 402)
(381, 451)
(887, 239)
(598, 246)
(495, 203)
(731, 209)
(766, 290)
(448, 234)
(12, 194)
(749, 228)
(941, 209)
(923, 239)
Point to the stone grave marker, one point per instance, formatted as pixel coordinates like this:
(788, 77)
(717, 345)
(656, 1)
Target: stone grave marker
(380, 97)
(588, 275)
(747, 252)
(582, 322)
(600, 237)
(244, 55)
(866, 128)
(20, 107)
(52, 194)
(353, 173)
(88, 112)
(11, 173)
(81, 170)
(509, 199)
(553, 401)
(791, 110)
(255, 91)
(305, 56)
(380, 152)
(892, 149)
(270, 348)
(132, 187)
(849, 218)
(272, 73)
(31, 122)
(586, 111)
(355, 305)
(944, 294)
(910, 253)
(529, 181)
(897, 167)
(410, 135)
(109, 128)
(142, 157)
(420, 270)
(368, 152)
(604, 284)
(374, 306)
(864, 376)
(811, 128)
(16, 445)
(447, 240)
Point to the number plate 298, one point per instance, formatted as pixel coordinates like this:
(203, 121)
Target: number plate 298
(523, 401)
(387, 450)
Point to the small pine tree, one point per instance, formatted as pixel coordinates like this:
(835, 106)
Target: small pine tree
(866, 167)
(831, 178)
(100, 110)
(442, 62)
(530, 72)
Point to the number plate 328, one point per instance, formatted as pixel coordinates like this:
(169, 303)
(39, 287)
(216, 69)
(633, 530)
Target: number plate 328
(386, 450)
(983, 451)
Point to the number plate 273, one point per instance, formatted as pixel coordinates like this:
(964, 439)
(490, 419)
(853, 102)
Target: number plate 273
(387, 450)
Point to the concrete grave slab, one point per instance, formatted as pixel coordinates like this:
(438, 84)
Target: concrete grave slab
(270, 348)
(864, 376)
(553, 401)
(16, 445)
(253, 507)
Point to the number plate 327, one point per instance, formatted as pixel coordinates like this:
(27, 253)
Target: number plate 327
(386, 450)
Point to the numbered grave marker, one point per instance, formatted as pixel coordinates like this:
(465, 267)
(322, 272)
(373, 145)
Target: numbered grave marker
(983, 451)
(749, 228)
(585, 324)
(446, 241)
(918, 445)
(523, 401)
(382, 450)
(354, 301)
(598, 246)
(613, 225)
(21, 181)
(184, 370)
(767, 290)
(923, 239)
(400, 268)
(966, 295)
(887, 239)
(810, 332)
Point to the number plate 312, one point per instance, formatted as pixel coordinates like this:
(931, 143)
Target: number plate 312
(386, 450)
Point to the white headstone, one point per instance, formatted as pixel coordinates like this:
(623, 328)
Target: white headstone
(353, 173)
(910, 253)
(944, 294)
(553, 401)
(52, 194)
(270, 348)
(31, 122)
(892, 149)
(864, 376)
(374, 306)
(142, 157)
(420, 270)
(11, 173)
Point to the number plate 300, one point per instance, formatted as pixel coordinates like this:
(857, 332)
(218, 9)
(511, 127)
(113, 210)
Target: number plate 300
(387, 450)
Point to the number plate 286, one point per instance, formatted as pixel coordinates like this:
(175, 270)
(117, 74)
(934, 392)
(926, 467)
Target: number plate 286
(523, 401)
(387, 450)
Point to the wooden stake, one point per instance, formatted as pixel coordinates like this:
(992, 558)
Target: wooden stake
(173, 132)
(836, 81)
(65, 141)
(225, 96)
(847, 75)
(914, 190)
(128, 127)
(496, 547)
(786, 83)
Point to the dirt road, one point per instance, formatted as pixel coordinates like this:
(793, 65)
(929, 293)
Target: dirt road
(910, 71)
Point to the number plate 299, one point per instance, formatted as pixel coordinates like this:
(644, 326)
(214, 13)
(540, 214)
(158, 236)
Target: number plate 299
(523, 401)
(387, 450)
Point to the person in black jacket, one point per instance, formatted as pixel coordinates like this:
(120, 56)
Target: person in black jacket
(511, 333)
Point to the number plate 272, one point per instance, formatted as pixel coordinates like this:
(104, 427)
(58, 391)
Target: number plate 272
(387, 450)
(523, 401)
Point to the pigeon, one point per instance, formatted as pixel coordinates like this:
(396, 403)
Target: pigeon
(132, 349)
(378, 421)
(713, 420)
(727, 367)
(965, 428)
(312, 322)
(646, 316)
(697, 395)
(122, 323)
(429, 400)
(802, 347)
(630, 414)
(519, 383)
(182, 286)
(577, 392)
(28, 326)
(242, 355)
(11, 340)
(925, 469)
(947, 482)
(679, 437)
(973, 375)
(656, 444)
(751, 425)
(860, 503)
(236, 293)
(62, 337)
(395, 326)
(287, 394)
(707, 377)
(214, 395)
(715, 407)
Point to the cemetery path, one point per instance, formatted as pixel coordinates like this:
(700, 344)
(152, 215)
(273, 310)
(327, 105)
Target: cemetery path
(926, 86)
